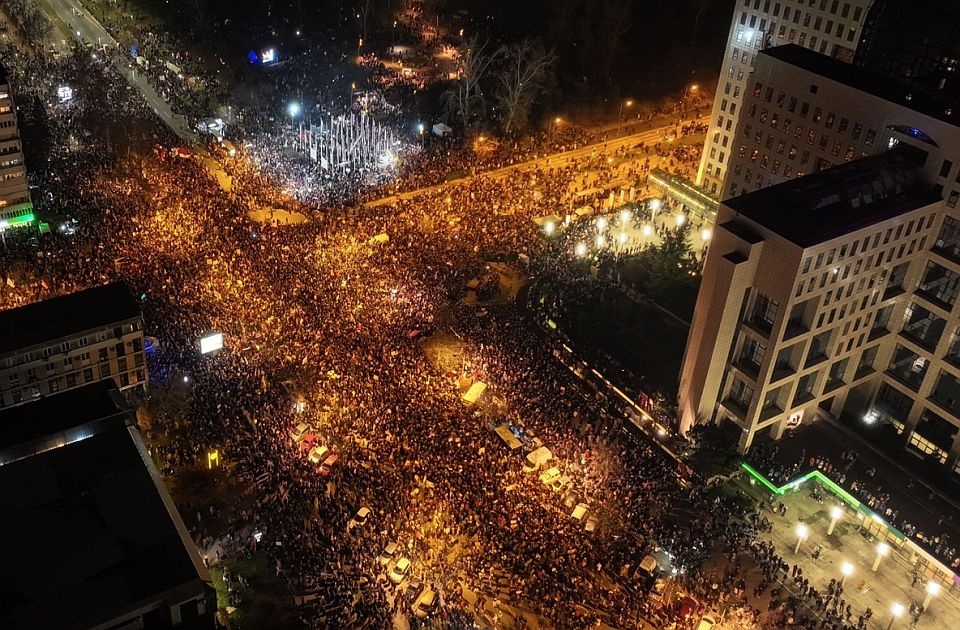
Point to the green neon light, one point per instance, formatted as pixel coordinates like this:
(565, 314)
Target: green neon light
(19, 220)
(845, 496)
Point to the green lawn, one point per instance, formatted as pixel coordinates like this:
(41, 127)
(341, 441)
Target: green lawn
(266, 604)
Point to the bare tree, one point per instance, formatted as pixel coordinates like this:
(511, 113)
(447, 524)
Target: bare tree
(525, 70)
(464, 98)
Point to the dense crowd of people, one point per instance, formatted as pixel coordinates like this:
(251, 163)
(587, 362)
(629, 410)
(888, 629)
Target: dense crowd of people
(326, 327)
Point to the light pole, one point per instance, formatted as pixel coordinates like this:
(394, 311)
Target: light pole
(802, 533)
(847, 570)
(294, 110)
(835, 514)
(896, 609)
(883, 550)
(554, 125)
(628, 103)
(690, 88)
(646, 230)
(359, 47)
(420, 127)
(933, 589)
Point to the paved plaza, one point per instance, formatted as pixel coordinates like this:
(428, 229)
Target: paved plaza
(893, 581)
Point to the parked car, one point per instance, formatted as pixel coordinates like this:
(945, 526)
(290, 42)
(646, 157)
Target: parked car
(426, 604)
(328, 463)
(413, 590)
(550, 475)
(317, 454)
(399, 570)
(389, 553)
(707, 622)
(359, 518)
(560, 483)
(299, 431)
(579, 512)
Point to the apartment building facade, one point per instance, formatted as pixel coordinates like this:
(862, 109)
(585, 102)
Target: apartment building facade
(805, 113)
(14, 192)
(832, 295)
(829, 27)
(43, 352)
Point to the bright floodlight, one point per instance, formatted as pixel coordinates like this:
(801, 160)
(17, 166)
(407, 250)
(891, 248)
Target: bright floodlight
(681, 219)
(581, 249)
(601, 241)
(293, 109)
(802, 531)
(883, 549)
(211, 343)
(647, 230)
(846, 568)
(870, 418)
(835, 512)
(705, 234)
(933, 588)
(549, 227)
(602, 223)
(420, 128)
(625, 216)
(896, 609)
(623, 238)
(655, 204)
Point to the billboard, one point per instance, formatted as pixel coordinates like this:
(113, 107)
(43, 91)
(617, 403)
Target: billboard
(211, 343)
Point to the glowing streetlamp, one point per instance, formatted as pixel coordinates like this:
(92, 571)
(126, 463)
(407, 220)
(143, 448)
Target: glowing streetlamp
(655, 206)
(421, 128)
(601, 224)
(625, 216)
(623, 238)
(549, 227)
(646, 230)
(802, 533)
(359, 46)
(628, 103)
(705, 234)
(681, 219)
(580, 250)
(883, 550)
(601, 241)
(835, 514)
(896, 609)
(933, 589)
(294, 110)
(847, 570)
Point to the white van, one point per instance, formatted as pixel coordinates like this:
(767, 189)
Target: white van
(647, 567)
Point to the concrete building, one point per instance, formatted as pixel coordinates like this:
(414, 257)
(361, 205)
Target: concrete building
(15, 206)
(806, 112)
(93, 537)
(829, 27)
(820, 296)
(69, 341)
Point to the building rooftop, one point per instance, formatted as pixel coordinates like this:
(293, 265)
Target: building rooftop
(94, 532)
(862, 79)
(822, 206)
(65, 315)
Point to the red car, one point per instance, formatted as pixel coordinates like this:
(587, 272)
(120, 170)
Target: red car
(327, 464)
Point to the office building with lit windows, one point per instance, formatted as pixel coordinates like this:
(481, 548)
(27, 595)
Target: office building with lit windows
(820, 298)
(828, 27)
(15, 206)
(43, 351)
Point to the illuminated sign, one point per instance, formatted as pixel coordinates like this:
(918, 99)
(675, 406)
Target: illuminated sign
(211, 343)
(65, 93)
(268, 56)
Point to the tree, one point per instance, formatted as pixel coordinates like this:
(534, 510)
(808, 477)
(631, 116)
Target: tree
(526, 68)
(464, 98)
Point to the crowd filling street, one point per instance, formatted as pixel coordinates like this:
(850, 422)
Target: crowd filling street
(395, 486)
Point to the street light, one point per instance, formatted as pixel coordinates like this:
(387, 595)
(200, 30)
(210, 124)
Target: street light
(294, 110)
(933, 589)
(802, 533)
(359, 46)
(581, 250)
(625, 216)
(896, 609)
(681, 219)
(420, 128)
(835, 514)
(628, 103)
(601, 241)
(655, 205)
(549, 227)
(601, 224)
(705, 235)
(847, 570)
(883, 550)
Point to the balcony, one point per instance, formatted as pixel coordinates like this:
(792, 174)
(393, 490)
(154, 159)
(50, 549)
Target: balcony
(891, 292)
(795, 328)
(877, 332)
(737, 407)
(782, 371)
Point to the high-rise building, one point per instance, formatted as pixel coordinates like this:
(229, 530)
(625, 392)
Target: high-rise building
(15, 206)
(43, 352)
(804, 112)
(829, 27)
(819, 296)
